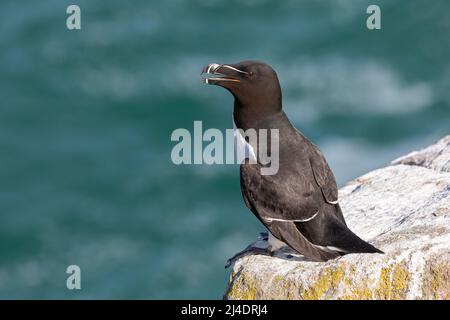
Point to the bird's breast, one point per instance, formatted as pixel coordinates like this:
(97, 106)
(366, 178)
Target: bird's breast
(242, 146)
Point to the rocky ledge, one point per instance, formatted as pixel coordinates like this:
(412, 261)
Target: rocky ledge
(403, 209)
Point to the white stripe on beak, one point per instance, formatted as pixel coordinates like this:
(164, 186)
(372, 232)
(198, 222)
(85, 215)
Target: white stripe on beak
(213, 66)
(223, 79)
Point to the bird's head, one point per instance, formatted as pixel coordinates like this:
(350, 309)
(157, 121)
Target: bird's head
(254, 85)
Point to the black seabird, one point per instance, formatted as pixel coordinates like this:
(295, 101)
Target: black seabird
(299, 204)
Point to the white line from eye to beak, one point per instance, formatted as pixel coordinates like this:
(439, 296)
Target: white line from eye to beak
(232, 68)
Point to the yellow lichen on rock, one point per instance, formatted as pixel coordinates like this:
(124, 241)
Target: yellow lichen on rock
(242, 288)
(437, 283)
(328, 280)
(393, 283)
(400, 282)
(363, 293)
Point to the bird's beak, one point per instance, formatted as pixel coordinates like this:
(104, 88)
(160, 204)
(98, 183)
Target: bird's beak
(220, 73)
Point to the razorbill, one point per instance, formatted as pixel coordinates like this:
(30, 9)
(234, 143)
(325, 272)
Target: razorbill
(299, 204)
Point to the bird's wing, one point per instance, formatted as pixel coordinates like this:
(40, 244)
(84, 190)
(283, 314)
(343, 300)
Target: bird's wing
(280, 210)
(325, 180)
(279, 198)
(324, 176)
(289, 233)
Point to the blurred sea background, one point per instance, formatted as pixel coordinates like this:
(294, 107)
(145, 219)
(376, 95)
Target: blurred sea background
(86, 117)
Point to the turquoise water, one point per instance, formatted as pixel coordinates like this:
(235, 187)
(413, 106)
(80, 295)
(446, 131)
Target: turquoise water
(86, 118)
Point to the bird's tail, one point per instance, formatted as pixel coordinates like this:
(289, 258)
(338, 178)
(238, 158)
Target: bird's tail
(360, 246)
(349, 242)
(335, 236)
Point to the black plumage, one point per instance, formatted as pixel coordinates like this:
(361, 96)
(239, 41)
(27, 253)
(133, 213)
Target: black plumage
(299, 204)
